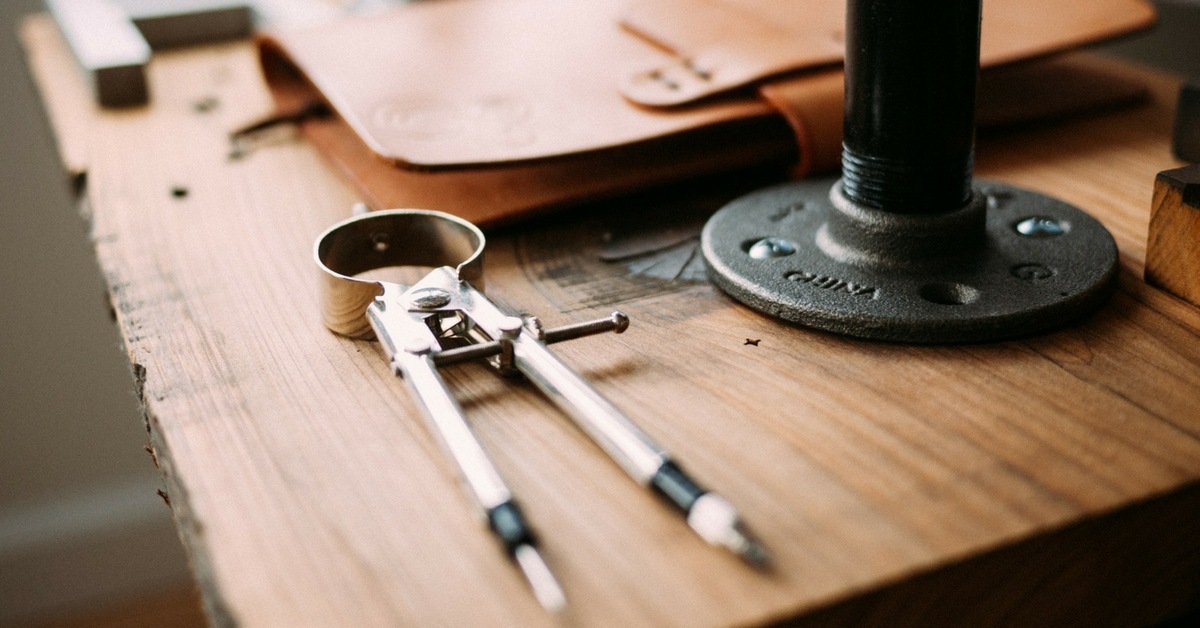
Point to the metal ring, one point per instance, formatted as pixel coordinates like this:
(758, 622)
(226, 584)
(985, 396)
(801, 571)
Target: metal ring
(388, 238)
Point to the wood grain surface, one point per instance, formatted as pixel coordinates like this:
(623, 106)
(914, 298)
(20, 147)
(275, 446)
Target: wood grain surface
(1051, 480)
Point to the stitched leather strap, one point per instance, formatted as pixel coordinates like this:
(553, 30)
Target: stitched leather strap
(713, 46)
(717, 46)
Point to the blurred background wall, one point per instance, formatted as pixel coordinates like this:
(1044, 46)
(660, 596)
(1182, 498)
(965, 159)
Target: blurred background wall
(81, 525)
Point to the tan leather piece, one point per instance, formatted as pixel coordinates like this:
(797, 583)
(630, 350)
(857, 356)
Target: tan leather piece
(1052, 87)
(493, 109)
(1037, 89)
(501, 193)
(1022, 29)
(498, 195)
(725, 66)
(812, 104)
(713, 36)
(467, 82)
(714, 46)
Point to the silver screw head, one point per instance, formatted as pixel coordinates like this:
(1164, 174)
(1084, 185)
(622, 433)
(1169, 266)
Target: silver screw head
(1040, 227)
(418, 346)
(510, 326)
(427, 298)
(767, 248)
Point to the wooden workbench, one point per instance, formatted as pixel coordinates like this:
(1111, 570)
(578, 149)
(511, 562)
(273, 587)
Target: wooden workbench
(1046, 481)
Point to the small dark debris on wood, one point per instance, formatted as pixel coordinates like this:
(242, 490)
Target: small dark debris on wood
(206, 104)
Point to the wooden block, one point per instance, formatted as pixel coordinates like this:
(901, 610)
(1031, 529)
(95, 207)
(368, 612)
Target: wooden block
(174, 23)
(110, 51)
(1173, 248)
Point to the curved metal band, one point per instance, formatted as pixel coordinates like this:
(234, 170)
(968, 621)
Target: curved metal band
(388, 238)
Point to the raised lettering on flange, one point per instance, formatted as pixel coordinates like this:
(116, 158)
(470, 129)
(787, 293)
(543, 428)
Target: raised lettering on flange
(832, 284)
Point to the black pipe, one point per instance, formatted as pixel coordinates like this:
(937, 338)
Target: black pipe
(911, 70)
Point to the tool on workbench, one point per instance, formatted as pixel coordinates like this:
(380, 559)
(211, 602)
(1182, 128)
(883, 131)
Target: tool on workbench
(112, 39)
(442, 319)
(1173, 241)
(904, 246)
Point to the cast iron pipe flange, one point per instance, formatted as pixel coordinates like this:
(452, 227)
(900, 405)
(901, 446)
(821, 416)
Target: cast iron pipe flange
(906, 246)
(1035, 263)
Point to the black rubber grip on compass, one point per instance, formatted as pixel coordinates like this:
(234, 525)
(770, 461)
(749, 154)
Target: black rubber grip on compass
(676, 486)
(509, 524)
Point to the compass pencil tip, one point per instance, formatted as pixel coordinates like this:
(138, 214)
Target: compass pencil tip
(545, 587)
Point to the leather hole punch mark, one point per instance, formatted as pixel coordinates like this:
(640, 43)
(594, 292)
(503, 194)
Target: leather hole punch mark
(701, 73)
(657, 75)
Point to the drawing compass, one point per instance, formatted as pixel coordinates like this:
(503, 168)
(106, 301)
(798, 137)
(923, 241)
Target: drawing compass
(443, 319)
